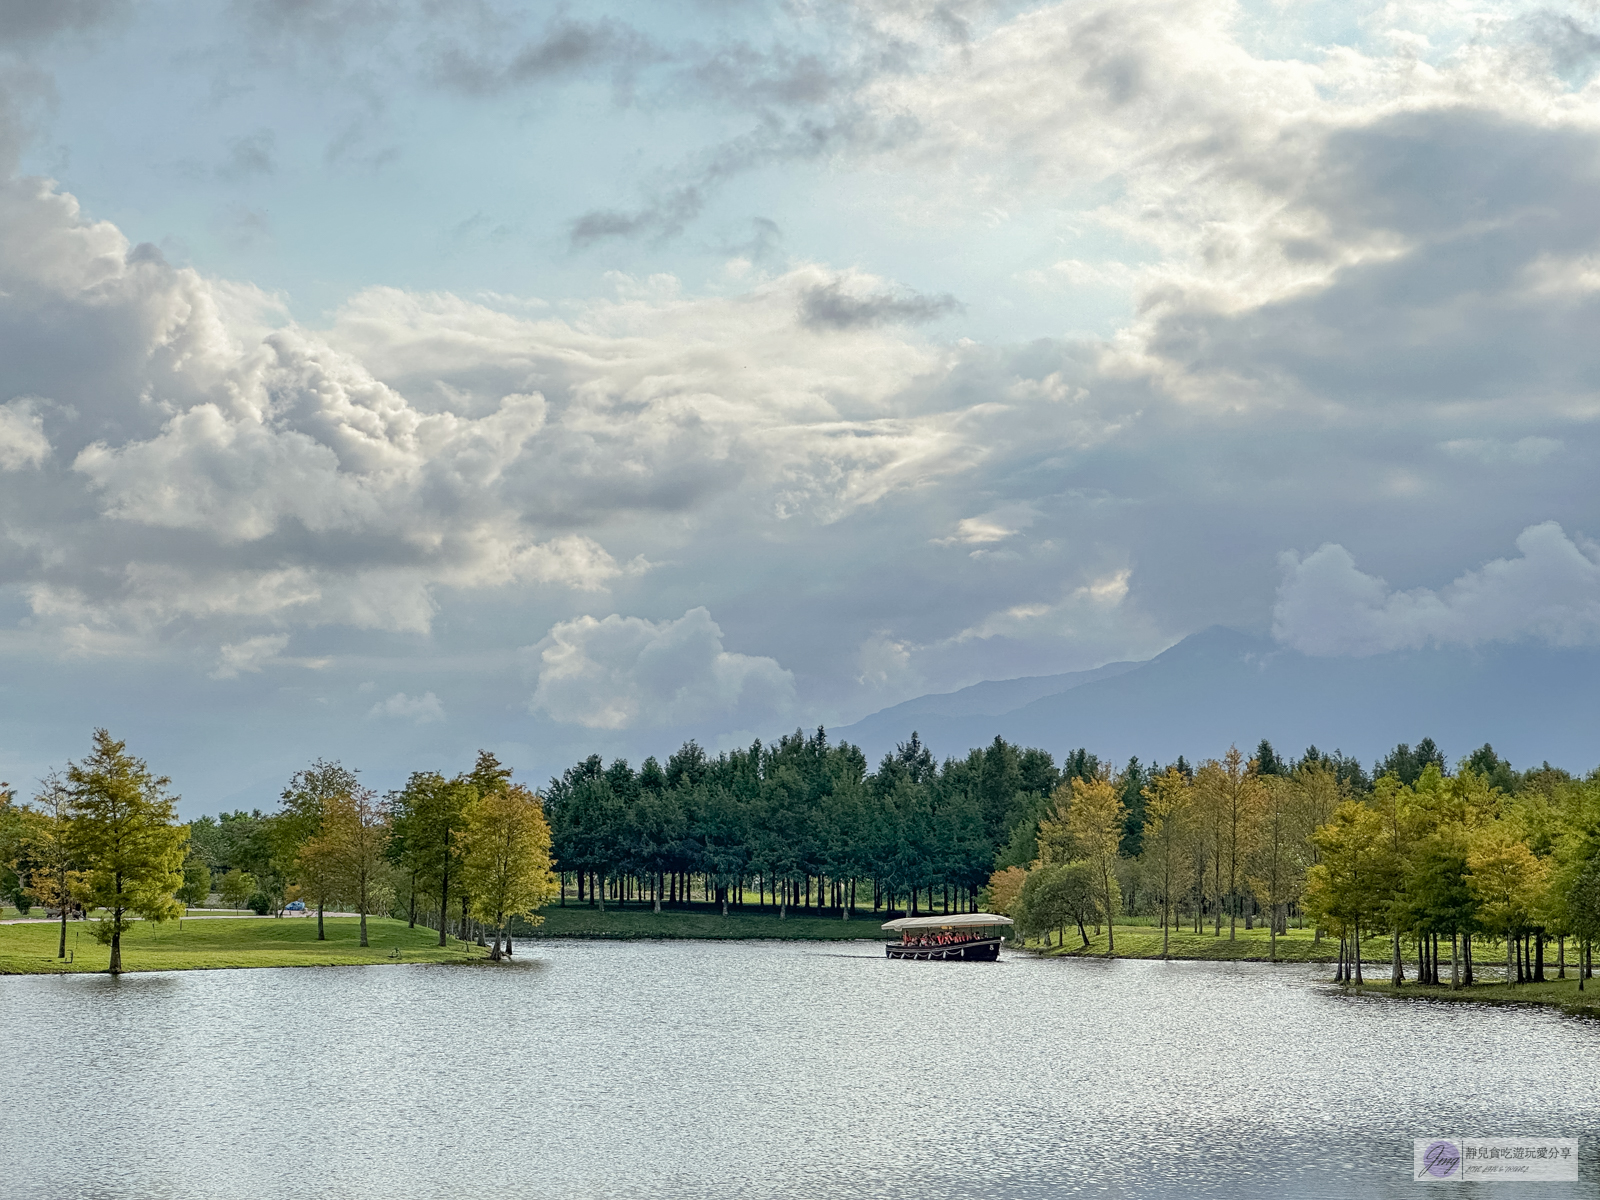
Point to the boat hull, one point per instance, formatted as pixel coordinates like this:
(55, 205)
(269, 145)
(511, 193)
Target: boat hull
(978, 950)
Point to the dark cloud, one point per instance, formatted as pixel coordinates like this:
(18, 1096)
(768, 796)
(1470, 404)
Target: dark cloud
(663, 218)
(249, 156)
(35, 20)
(566, 48)
(831, 307)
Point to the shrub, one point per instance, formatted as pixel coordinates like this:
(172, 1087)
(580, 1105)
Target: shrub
(259, 904)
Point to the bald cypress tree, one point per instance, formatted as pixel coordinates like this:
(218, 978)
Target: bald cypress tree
(125, 835)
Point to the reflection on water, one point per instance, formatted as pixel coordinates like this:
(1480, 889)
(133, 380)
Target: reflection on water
(668, 1069)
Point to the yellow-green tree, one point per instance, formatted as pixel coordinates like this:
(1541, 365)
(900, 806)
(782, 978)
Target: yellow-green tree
(124, 832)
(1168, 814)
(47, 827)
(1278, 865)
(1508, 880)
(1230, 794)
(1345, 889)
(1095, 822)
(301, 822)
(1005, 890)
(1056, 843)
(506, 858)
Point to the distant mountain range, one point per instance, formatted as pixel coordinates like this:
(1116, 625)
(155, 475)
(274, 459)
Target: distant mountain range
(1218, 687)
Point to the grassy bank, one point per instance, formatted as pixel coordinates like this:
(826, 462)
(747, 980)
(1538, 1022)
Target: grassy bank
(244, 942)
(700, 921)
(1555, 993)
(1247, 945)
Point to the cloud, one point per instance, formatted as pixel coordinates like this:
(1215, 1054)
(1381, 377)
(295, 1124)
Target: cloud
(250, 155)
(249, 655)
(22, 439)
(625, 672)
(833, 306)
(997, 525)
(1327, 607)
(419, 710)
(30, 21)
(565, 48)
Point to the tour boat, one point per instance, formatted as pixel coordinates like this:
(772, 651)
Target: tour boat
(969, 937)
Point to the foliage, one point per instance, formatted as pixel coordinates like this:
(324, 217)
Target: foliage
(124, 832)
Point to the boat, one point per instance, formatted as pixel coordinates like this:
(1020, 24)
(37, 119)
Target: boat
(959, 937)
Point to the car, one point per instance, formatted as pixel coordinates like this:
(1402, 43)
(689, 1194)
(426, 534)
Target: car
(295, 906)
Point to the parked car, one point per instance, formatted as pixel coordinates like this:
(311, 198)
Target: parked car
(295, 906)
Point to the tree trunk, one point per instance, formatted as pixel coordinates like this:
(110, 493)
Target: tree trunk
(597, 891)
(363, 917)
(1455, 961)
(444, 903)
(1355, 955)
(1272, 936)
(656, 887)
(1512, 958)
(115, 967)
(1397, 973)
(1538, 956)
(322, 937)
(62, 953)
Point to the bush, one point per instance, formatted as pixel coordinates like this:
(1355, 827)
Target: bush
(259, 904)
(22, 901)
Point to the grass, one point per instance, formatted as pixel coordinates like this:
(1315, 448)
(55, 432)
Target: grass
(1555, 993)
(701, 921)
(1247, 945)
(246, 942)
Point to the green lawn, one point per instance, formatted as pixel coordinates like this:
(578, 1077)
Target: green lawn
(1559, 993)
(1248, 945)
(229, 942)
(702, 921)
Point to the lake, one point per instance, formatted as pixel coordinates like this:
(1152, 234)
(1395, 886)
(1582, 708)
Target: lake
(760, 1069)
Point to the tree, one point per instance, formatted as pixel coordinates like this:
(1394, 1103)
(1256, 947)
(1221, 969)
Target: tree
(355, 830)
(1505, 879)
(301, 821)
(1231, 795)
(1005, 890)
(237, 886)
(506, 858)
(1278, 872)
(431, 815)
(125, 834)
(1095, 820)
(1169, 805)
(1054, 895)
(56, 883)
(196, 882)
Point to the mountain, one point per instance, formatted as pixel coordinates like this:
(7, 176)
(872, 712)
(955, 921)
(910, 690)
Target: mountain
(1220, 686)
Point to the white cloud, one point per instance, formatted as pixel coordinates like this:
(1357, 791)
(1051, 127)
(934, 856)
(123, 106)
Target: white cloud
(1326, 606)
(622, 672)
(22, 439)
(997, 525)
(249, 655)
(418, 709)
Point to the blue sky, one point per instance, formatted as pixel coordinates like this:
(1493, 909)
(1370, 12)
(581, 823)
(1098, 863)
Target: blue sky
(388, 378)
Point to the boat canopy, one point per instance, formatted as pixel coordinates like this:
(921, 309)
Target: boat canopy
(948, 921)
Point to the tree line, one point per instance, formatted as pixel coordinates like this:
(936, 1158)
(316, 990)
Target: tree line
(101, 839)
(1433, 857)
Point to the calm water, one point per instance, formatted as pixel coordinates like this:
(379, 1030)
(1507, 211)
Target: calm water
(762, 1069)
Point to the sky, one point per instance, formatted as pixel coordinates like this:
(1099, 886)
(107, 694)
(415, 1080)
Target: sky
(385, 379)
